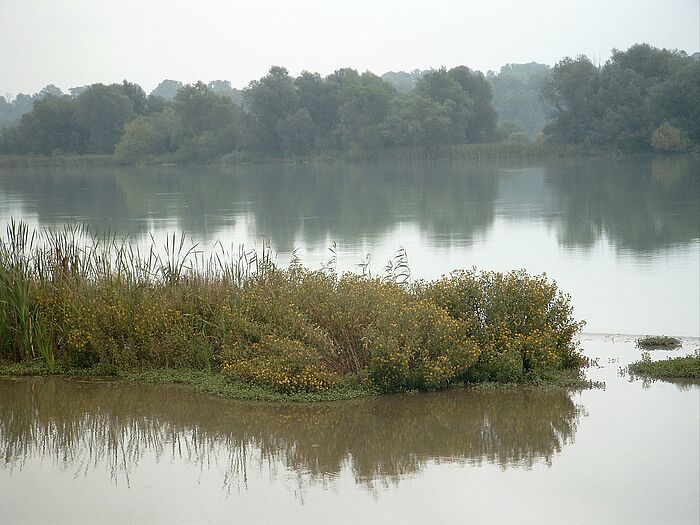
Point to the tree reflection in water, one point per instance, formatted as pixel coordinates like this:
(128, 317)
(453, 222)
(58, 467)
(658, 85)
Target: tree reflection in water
(83, 426)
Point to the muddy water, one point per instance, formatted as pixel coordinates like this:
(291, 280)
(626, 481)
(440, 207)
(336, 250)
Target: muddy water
(87, 452)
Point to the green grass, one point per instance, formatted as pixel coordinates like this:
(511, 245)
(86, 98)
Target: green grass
(652, 342)
(217, 385)
(687, 367)
(199, 380)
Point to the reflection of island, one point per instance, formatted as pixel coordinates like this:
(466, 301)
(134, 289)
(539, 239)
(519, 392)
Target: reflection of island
(83, 425)
(641, 204)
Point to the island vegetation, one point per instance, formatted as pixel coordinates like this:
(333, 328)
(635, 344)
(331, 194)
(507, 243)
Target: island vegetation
(238, 325)
(641, 100)
(664, 342)
(686, 367)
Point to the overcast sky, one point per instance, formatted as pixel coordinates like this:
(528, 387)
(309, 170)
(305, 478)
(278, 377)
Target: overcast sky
(77, 42)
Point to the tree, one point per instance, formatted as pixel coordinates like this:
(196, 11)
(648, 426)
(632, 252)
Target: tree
(297, 133)
(137, 96)
(51, 125)
(321, 98)
(572, 90)
(12, 110)
(678, 99)
(167, 89)
(271, 99)
(517, 95)
(401, 81)
(139, 140)
(49, 90)
(102, 111)
(224, 89)
(201, 110)
(364, 105)
(417, 121)
(441, 87)
(669, 139)
(622, 104)
(481, 126)
(77, 91)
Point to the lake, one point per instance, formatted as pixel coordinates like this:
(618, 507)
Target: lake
(87, 452)
(621, 235)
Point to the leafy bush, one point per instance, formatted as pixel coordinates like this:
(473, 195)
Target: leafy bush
(281, 364)
(289, 330)
(658, 341)
(521, 323)
(421, 347)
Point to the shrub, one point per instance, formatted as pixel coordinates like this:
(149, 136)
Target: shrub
(282, 364)
(658, 341)
(670, 139)
(289, 330)
(509, 315)
(419, 347)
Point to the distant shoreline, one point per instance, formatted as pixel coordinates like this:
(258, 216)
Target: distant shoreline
(468, 152)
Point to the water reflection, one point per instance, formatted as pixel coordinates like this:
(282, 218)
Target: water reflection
(83, 426)
(639, 204)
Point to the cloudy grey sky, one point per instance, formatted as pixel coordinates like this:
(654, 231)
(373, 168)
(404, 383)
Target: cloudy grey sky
(76, 42)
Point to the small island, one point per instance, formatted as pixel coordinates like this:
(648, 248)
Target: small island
(241, 327)
(687, 367)
(662, 342)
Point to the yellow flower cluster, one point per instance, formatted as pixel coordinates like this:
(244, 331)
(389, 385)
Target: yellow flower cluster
(279, 363)
(297, 330)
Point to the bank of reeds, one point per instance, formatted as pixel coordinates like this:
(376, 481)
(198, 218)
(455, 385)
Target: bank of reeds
(466, 152)
(60, 160)
(76, 299)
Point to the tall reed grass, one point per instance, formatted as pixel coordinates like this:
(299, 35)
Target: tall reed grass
(82, 299)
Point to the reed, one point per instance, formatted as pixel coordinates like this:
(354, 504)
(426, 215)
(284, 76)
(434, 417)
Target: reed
(75, 298)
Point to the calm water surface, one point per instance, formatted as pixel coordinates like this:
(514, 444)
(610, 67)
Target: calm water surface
(622, 236)
(81, 452)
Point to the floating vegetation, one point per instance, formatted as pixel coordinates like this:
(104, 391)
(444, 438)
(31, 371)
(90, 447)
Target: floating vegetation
(75, 299)
(663, 342)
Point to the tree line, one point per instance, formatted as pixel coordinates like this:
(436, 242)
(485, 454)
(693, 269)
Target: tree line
(641, 99)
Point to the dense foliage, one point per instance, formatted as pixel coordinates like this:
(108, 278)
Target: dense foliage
(85, 302)
(517, 98)
(278, 115)
(658, 341)
(641, 99)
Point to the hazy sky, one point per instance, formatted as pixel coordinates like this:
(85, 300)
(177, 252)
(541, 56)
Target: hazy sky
(76, 42)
